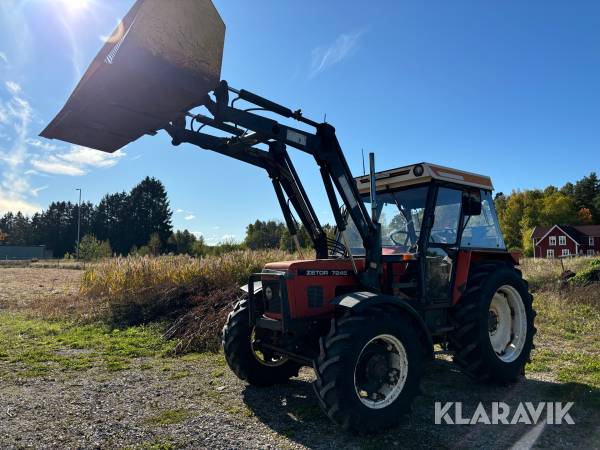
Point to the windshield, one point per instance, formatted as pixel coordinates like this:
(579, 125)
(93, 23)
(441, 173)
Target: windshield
(400, 215)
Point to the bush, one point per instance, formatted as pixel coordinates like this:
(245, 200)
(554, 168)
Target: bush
(91, 248)
(138, 289)
(588, 274)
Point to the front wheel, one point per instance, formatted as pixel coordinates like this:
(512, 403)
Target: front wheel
(494, 325)
(369, 369)
(260, 368)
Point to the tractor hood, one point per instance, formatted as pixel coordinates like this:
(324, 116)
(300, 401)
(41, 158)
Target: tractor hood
(318, 266)
(161, 61)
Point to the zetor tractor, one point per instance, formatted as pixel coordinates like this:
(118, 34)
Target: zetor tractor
(426, 265)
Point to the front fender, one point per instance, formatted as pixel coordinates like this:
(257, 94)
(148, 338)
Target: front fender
(363, 300)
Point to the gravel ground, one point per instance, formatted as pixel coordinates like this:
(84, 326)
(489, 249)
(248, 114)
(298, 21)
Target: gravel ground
(174, 403)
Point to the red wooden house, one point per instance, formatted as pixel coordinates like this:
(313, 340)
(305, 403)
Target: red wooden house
(565, 240)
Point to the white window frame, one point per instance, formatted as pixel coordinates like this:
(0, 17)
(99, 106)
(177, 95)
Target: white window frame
(552, 240)
(590, 252)
(565, 252)
(550, 253)
(591, 240)
(562, 240)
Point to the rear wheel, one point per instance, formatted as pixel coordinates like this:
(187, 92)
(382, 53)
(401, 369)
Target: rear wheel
(494, 324)
(257, 367)
(369, 370)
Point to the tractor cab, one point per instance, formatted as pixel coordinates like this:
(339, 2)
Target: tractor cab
(460, 214)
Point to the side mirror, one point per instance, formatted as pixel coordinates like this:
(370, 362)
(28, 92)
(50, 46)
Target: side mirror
(471, 202)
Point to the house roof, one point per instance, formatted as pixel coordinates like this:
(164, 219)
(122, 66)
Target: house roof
(589, 230)
(578, 233)
(540, 231)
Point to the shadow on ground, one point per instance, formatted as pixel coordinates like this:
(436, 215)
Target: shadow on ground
(293, 411)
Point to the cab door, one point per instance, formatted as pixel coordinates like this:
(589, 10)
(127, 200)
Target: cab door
(442, 246)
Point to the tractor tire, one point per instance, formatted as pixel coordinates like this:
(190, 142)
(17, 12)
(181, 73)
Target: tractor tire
(494, 323)
(244, 361)
(369, 369)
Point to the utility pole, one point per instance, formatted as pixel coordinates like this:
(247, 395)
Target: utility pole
(78, 221)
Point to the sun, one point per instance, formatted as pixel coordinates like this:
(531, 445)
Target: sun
(74, 6)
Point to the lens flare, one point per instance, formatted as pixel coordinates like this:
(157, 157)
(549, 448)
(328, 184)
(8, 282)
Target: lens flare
(74, 6)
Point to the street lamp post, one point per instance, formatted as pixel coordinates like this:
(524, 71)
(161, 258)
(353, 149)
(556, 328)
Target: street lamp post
(78, 221)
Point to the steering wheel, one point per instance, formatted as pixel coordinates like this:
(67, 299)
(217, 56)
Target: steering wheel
(394, 233)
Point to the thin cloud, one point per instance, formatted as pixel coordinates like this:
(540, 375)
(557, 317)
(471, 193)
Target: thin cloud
(15, 203)
(3, 58)
(12, 87)
(75, 162)
(55, 166)
(326, 56)
(83, 156)
(190, 217)
(36, 191)
(41, 144)
(15, 117)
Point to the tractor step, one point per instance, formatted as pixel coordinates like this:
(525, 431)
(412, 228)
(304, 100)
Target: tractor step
(269, 324)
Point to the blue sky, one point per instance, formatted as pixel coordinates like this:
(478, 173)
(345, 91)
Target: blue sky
(510, 89)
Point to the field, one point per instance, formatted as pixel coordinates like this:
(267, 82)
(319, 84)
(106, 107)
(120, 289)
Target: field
(71, 376)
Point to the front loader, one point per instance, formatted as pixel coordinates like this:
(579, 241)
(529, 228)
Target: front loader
(418, 259)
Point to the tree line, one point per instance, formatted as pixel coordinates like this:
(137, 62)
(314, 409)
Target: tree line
(126, 221)
(136, 222)
(139, 222)
(572, 204)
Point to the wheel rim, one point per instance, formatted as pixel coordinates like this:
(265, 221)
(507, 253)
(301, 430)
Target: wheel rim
(380, 372)
(507, 323)
(266, 358)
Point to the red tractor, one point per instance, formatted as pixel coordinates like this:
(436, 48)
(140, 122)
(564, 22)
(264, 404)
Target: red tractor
(427, 265)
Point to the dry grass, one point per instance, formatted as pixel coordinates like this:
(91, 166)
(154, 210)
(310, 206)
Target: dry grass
(568, 321)
(545, 273)
(27, 288)
(140, 289)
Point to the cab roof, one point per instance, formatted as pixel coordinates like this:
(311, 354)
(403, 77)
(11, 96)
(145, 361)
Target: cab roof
(409, 175)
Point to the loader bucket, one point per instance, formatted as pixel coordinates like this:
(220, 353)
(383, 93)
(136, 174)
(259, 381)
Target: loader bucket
(162, 59)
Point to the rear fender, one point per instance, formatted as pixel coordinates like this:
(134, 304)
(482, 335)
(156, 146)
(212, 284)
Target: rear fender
(363, 300)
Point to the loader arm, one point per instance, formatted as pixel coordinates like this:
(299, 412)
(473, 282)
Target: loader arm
(249, 129)
(280, 169)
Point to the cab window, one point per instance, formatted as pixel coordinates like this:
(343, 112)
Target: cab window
(446, 216)
(483, 231)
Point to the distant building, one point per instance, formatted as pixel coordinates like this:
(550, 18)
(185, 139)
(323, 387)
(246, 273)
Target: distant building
(24, 252)
(566, 240)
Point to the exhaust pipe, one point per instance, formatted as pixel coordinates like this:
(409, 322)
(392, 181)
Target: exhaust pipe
(161, 61)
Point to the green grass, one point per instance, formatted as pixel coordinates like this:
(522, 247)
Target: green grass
(567, 338)
(33, 347)
(168, 417)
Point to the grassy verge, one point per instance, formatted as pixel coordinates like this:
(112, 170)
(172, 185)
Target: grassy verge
(568, 322)
(567, 340)
(35, 347)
